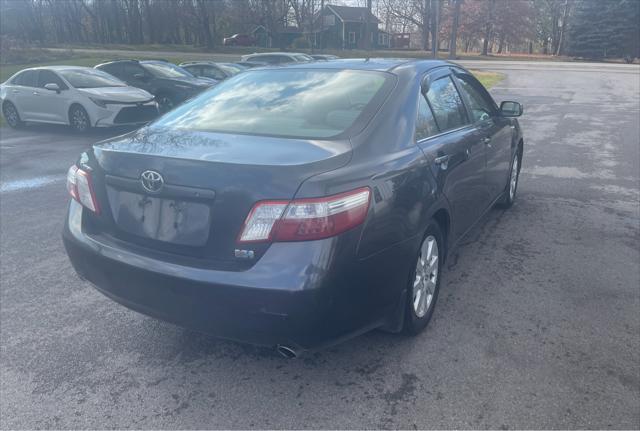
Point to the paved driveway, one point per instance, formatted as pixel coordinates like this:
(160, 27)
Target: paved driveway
(537, 325)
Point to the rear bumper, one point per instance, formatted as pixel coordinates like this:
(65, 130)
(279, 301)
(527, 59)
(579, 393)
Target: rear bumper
(304, 295)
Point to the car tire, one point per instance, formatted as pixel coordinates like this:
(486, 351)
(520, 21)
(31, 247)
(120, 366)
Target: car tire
(79, 119)
(510, 190)
(165, 103)
(424, 281)
(11, 115)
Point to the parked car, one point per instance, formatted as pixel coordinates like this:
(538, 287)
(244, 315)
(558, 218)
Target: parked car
(295, 207)
(81, 97)
(324, 57)
(170, 84)
(209, 69)
(277, 57)
(238, 40)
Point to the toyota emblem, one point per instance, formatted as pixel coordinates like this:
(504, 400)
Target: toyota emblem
(152, 181)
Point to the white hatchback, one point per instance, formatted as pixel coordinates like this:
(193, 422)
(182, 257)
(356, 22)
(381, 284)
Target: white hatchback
(81, 97)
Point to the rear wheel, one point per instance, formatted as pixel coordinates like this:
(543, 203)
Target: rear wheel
(424, 283)
(79, 119)
(10, 113)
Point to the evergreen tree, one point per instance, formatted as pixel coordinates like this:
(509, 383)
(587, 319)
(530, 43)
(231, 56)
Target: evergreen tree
(605, 28)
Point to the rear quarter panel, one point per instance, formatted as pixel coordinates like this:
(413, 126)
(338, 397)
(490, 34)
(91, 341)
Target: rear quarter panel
(387, 159)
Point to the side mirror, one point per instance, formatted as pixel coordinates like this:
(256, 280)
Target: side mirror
(52, 86)
(511, 109)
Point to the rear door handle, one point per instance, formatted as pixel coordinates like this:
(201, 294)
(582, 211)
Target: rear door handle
(35, 93)
(15, 91)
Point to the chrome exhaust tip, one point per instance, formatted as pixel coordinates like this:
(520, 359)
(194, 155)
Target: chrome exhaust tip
(286, 351)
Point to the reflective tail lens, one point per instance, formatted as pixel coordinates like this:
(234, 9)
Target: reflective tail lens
(80, 187)
(306, 219)
(261, 219)
(71, 182)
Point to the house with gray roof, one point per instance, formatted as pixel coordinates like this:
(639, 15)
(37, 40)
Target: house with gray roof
(345, 27)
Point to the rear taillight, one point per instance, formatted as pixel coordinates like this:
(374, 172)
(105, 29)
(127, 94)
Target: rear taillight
(305, 219)
(80, 187)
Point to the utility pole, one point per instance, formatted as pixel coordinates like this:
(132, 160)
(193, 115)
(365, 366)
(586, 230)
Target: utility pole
(367, 31)
(312, 24)
(563, 28)
(321, 16)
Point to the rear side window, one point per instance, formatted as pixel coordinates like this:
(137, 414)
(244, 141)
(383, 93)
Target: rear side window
(270, 59)
(114, 69)
(479, 103)
(131, 69)
(213, 72)
(48, 77)
(195, 70)
(425, 124)
(297, 103)
(447, 106)
(28, 78)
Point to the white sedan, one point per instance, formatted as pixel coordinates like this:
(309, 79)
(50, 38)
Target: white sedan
(81, 97)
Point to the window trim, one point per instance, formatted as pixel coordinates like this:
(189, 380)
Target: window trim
(64, 85)
(24, 72)
(426, 83)
(423, 95)
(456, 73)
(466, 126)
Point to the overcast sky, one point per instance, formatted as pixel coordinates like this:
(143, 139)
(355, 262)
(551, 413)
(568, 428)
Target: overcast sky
(362, 3)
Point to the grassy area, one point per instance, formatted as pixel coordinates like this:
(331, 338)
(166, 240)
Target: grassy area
(488, 79)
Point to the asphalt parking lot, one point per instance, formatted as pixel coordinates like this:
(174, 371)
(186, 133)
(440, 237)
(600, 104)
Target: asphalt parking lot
(537, 325)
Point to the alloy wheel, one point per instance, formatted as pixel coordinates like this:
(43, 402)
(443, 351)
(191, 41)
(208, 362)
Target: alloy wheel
(79, 120)
(426, 278)
(513, 180)
(11, 115)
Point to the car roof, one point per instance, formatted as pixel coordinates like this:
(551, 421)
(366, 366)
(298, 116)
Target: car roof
(379, 64)
(60, 67)
(197, 63)
(259, 54)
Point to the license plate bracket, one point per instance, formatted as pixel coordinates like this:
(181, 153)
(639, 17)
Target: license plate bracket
(163, 219)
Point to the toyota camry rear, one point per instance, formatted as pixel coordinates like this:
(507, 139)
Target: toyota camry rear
(284, 207)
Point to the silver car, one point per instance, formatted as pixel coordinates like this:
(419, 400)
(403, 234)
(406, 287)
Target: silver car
(80, 97)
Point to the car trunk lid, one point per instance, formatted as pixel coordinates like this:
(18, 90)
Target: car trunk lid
(210, 181)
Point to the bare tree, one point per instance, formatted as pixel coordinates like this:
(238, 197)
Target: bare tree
(453, 41)
(488, 27)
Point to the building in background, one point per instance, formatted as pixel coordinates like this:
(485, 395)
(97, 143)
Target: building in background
(345, 27)
(401, 40)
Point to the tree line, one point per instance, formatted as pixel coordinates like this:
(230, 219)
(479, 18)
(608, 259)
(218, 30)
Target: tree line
(589, 28)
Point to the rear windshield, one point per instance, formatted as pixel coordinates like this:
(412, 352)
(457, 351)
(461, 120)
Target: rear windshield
(285, 102)
(90, 78)
(166, 70)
